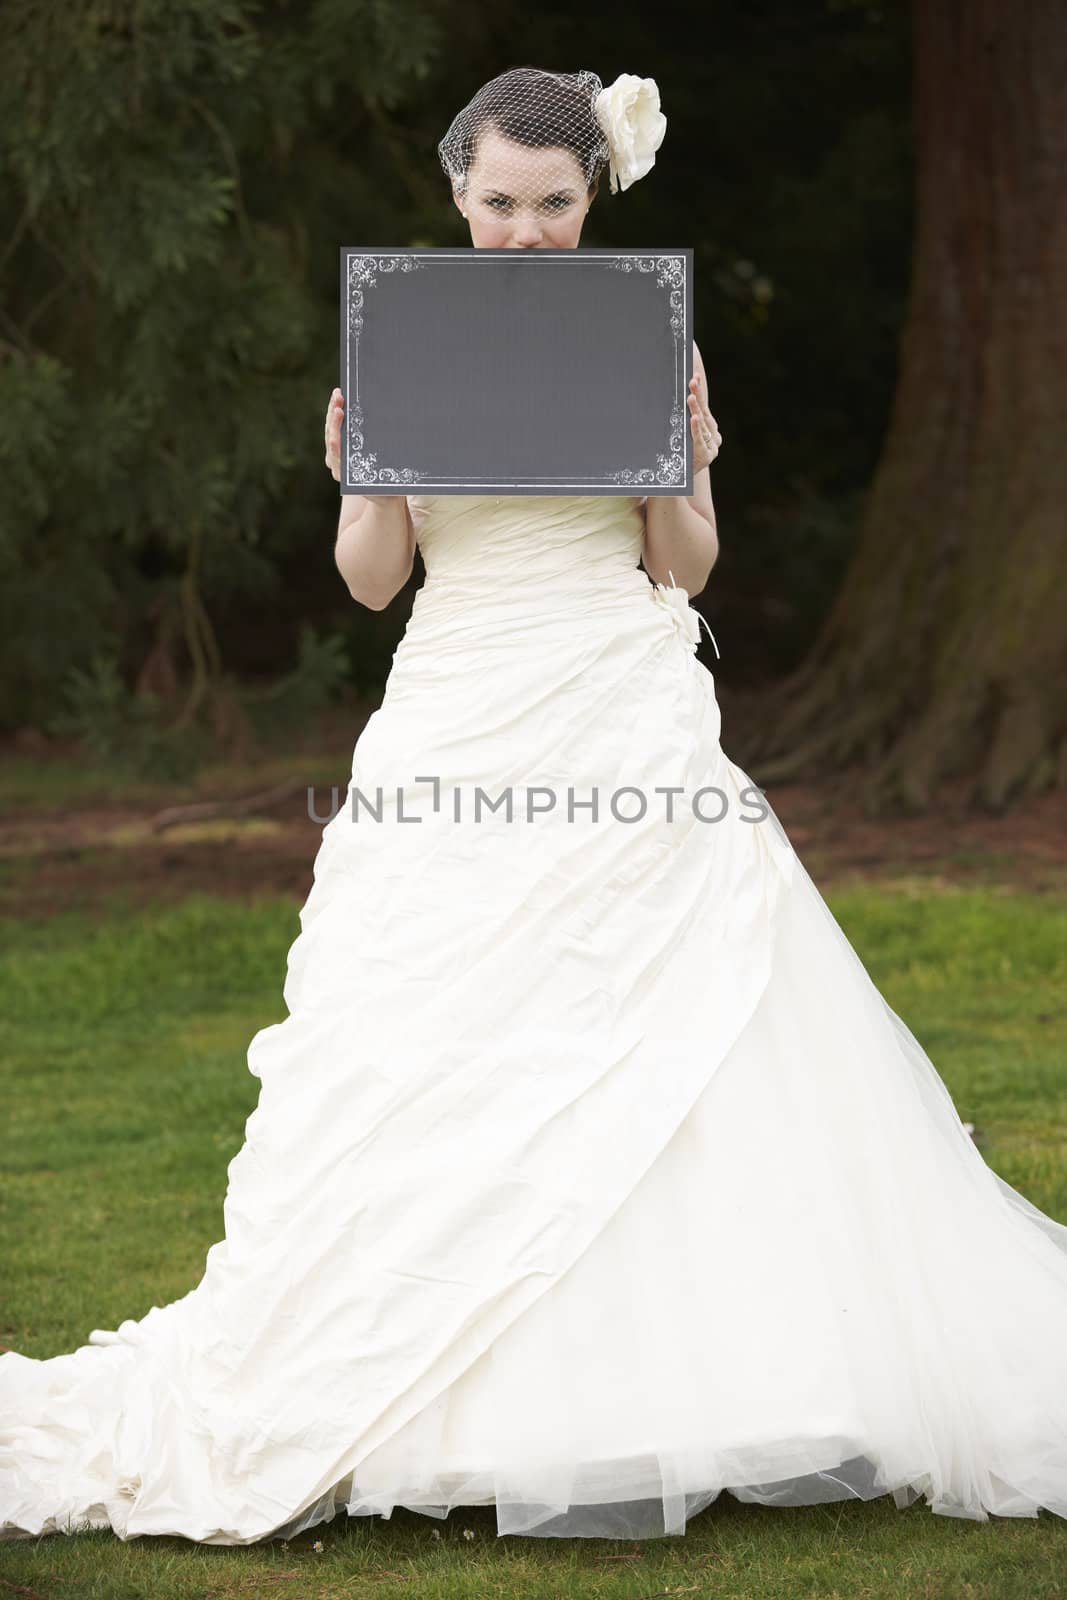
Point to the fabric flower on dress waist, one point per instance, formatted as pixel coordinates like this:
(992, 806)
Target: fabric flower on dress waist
(686, 618)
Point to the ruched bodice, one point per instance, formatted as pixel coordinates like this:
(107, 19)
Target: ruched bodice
(549, 569)
(482, 546)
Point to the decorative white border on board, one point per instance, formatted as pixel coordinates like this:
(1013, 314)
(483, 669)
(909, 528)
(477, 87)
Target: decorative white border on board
(362, 469)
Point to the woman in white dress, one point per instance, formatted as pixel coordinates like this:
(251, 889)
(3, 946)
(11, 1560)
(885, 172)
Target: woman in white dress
(590, 1173)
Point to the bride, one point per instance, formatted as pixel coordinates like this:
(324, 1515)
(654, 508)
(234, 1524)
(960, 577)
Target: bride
(590, 1174)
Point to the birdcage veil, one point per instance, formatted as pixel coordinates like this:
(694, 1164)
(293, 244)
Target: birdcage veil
(531, 136)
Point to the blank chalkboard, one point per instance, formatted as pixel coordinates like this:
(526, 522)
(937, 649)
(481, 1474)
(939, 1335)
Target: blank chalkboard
(468, 371)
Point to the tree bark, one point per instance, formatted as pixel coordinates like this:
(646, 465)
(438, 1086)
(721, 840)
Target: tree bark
(945, 652)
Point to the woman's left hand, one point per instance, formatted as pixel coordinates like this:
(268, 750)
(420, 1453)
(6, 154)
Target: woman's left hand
(702, 425)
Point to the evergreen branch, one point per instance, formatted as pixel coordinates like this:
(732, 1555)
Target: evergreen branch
(230, 154)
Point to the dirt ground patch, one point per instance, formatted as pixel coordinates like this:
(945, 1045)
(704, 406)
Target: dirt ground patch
(261, 841)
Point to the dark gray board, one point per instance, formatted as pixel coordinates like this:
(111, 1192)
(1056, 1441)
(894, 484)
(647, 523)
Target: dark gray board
(469, 371)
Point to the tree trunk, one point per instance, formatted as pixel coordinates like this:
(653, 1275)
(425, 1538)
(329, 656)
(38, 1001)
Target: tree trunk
(945, 652)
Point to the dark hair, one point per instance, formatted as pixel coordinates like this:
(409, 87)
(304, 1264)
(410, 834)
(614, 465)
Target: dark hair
(535, 107)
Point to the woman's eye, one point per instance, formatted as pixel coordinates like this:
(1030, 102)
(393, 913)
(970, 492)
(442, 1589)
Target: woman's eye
(555, 202)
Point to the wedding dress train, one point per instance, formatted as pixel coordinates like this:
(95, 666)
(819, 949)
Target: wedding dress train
(590, 1173)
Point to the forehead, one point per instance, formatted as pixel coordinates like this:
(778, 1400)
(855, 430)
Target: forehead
(508, 165)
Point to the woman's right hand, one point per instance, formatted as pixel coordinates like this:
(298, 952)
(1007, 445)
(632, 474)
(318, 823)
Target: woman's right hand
(335, 416)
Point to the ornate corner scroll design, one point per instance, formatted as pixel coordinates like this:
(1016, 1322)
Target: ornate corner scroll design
(363, 273)
(670, 468)
(670, 275)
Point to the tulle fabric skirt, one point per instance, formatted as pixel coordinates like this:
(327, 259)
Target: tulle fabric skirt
(819, 1291)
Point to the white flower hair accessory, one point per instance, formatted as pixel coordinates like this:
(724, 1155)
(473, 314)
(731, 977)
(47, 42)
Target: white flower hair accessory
(686, 619)
(633, 124)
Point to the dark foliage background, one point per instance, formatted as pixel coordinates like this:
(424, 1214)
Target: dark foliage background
(175, 179)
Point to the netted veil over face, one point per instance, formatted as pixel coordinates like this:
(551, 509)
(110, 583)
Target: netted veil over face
(531, 137)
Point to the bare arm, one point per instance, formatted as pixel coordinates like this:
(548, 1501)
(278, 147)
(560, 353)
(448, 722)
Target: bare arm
(681, 536)
(375, 548)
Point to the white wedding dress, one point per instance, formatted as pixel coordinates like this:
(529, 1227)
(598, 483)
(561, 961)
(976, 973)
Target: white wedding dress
(590, 1173)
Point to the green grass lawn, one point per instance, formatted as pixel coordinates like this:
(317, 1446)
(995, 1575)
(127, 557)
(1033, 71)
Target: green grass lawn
(126, 1089)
